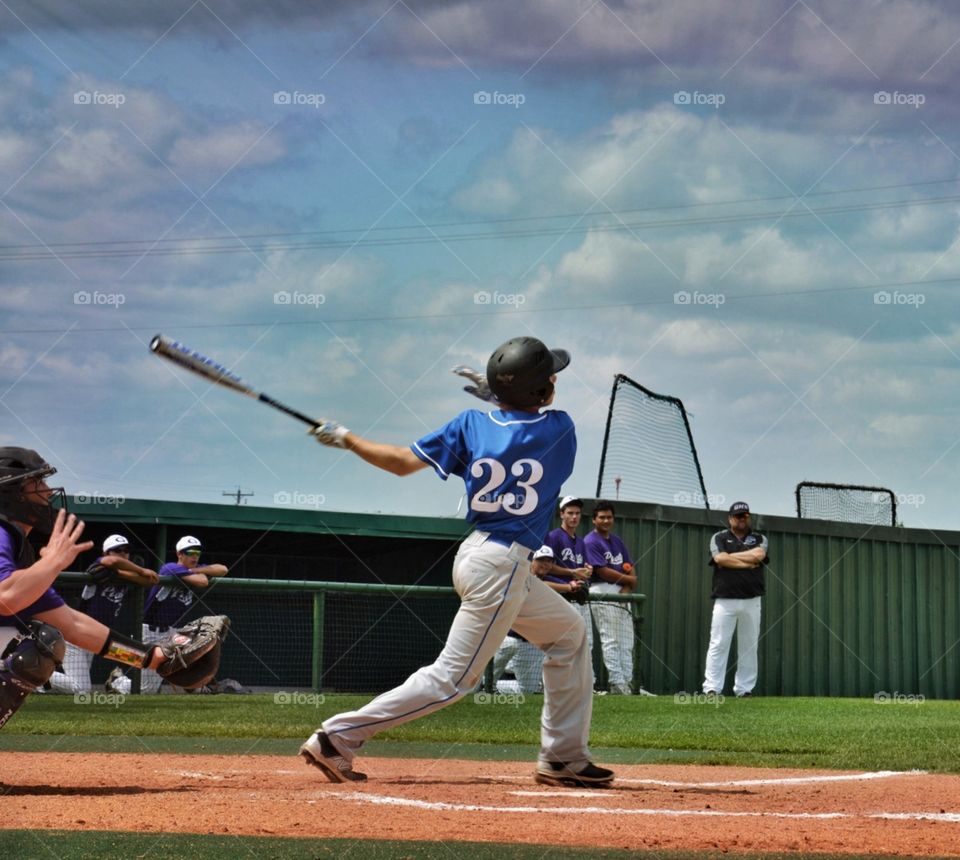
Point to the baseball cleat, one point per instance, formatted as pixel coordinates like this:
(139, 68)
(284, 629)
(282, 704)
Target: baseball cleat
(557, 773)
(319, 752)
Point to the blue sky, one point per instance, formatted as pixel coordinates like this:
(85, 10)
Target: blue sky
(812, 149)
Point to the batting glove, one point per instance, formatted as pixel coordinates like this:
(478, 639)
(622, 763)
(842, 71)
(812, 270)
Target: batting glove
(481, 387)
(330, 433)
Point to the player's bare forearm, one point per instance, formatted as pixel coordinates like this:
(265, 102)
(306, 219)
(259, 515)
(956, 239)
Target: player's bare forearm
(24, 586)
(391, 458)
(608, 574)
(211, 569)
(733, 561)
(197, 580)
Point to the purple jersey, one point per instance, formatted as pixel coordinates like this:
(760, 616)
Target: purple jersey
(513, 463)
(602, 552)
(568, 552)
(102, 598)
(167, 603)
(9, 562)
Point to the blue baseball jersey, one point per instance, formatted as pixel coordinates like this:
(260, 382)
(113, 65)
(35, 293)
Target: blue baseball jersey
(513, 464)
(568, 552)
(166, 604)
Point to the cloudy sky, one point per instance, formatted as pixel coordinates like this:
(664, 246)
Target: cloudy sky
(751, 206)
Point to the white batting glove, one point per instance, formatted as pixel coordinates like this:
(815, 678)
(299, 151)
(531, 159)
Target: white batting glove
(330, 433)
(481, 387)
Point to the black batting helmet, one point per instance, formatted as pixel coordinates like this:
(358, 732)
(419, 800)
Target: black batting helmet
(519, 371)
(17, 467)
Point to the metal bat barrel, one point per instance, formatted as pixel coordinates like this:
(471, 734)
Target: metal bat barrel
(198, 363)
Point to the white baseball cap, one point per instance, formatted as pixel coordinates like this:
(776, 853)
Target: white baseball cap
(570, 500)
(543, 552)
(187, 542)
(115, 542)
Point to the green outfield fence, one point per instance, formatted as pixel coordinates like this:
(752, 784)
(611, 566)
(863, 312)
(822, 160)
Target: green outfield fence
(331, 636)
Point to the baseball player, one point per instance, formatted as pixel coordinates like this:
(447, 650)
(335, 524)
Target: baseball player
(112, 576)
(737, 555)
(35, 623)
(513, 461)
(568, 569)
(612, 574)
(168, 602)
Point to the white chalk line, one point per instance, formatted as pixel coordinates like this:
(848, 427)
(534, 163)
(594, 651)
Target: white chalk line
(441, 806)
(786, 780)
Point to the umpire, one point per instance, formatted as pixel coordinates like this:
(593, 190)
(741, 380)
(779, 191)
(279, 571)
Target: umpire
(737, 555)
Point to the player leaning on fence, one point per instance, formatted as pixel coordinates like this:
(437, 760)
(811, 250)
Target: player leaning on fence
(737, 555)
(513, 461)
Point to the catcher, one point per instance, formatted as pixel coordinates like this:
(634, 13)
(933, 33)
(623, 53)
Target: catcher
(35, 623)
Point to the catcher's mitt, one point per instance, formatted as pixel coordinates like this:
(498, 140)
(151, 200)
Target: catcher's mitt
(193, 652)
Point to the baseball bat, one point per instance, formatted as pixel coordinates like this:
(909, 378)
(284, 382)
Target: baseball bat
(199, 364)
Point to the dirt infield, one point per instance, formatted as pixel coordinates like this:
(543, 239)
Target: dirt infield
(650, 807)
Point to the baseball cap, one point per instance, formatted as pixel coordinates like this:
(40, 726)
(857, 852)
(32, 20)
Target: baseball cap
(739, 508)
(187, 542)
(543, 552)
(115, 542)
(570, 500)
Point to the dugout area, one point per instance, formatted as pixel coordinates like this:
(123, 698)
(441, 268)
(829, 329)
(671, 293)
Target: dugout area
(851, 609)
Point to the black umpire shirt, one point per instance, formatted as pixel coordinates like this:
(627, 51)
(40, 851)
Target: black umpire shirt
(733, 582)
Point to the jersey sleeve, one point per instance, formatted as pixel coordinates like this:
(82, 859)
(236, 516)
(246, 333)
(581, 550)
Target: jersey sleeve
(594, 552)
(445, 449)
(8, 560)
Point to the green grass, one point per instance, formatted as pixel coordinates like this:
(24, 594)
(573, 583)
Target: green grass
(795, 732)
(96, 845)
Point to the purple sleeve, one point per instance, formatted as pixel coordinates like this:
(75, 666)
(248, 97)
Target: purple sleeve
(594, 551)
(8, 559)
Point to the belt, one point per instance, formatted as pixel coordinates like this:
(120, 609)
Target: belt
(501, 541)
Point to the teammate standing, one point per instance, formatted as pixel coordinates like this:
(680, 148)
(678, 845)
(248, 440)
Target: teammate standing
(168, 602)
(612, 574)
(513, 461)
(112, 576)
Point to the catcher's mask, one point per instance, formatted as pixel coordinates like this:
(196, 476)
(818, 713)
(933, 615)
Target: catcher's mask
(18, 467)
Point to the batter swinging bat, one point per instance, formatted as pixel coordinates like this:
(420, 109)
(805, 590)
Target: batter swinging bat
(209, 369)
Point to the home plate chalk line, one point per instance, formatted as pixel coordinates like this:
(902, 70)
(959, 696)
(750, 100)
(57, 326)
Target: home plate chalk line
(413, 803)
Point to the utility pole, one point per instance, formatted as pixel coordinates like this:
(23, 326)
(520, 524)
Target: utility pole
(236, 494)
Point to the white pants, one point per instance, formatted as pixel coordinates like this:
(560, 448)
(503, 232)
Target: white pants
(583, 610)
(149, 680)
(524, 660)
(615, 626)
(75, 677)
(497, 593)
(729, 614)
